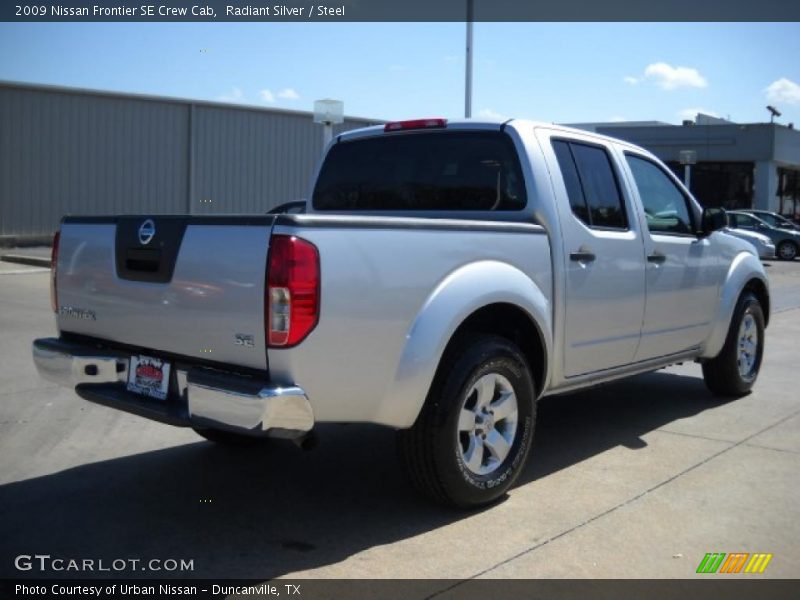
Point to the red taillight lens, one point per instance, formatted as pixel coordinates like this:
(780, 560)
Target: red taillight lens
(415, 124)
(53, 266)
(292, 295)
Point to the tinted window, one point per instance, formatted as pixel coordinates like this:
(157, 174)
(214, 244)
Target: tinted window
(771, 219)
(571, 180)
(591, 184)
(599, 186)
(742, 221)
(775, 220)
(422, 171)
(665, 206)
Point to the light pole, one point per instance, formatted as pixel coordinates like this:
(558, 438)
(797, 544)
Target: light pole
(329, 113)
(468, 75)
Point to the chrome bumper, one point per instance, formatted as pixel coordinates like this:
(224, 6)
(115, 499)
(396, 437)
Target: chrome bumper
(207, 398)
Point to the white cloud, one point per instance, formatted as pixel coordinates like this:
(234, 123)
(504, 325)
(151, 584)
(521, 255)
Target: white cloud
(668, 77)
(288, 94)
(266, 95)
(235, 95)
(631, 80)
(450, 59)
(691, 113)
(617, 119)
(783, 91)
(488, 113)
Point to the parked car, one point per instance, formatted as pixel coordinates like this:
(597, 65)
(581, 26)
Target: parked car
(446, 276)
(762, 244)
(772, 218)
(787, 241)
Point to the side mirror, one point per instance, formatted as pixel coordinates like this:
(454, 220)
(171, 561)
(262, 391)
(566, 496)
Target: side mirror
(714, 219)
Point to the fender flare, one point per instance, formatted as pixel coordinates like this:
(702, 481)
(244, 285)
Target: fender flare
(744, 268)
(464, 291)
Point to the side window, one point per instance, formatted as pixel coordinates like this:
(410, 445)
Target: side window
(746, 221)
(571, 180)
(769, 219)
(591, 184)
(665, 206)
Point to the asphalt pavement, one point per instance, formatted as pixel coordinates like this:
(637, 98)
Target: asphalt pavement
(640, 478)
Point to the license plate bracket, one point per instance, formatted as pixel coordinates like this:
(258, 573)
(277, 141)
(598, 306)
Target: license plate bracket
(149, 376)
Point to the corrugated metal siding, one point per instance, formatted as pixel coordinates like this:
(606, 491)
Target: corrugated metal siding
(73, 152)
(63, 153)
(249, 161)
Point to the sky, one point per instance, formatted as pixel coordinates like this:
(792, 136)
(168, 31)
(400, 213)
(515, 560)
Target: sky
(552, 72)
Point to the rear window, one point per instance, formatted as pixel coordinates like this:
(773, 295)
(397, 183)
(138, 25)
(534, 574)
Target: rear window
(447, 171)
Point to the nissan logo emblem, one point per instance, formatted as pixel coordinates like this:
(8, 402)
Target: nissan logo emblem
(147, 232)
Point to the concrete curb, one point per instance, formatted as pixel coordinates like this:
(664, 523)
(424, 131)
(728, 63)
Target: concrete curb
(22, 259)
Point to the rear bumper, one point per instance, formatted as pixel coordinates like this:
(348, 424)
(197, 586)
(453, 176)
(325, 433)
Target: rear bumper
(198, 397)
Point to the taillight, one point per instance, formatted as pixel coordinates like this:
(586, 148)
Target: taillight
(415, 124)
(292, 295)
(53, 266)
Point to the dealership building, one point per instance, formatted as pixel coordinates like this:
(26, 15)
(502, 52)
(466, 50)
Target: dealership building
(73, 151)
(737, 165)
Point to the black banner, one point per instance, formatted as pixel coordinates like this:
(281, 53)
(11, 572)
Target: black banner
(714, 586)
(398, 10)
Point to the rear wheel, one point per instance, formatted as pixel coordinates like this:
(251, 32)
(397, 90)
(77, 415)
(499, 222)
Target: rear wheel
(474, 433)
(787, 250)
(228, 438)
(734, 371)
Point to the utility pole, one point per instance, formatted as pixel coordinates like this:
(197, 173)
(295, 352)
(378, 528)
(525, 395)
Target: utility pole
(468, 78)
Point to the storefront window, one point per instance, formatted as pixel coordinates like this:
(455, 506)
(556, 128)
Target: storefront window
(725, 184)
(789, 192)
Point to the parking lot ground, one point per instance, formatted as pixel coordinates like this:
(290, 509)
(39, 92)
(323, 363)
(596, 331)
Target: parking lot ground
(639, 478)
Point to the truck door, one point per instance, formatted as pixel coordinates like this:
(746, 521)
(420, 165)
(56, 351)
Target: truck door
(603, 258)
(683, 270)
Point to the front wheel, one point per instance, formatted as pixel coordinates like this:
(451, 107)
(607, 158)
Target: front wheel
(735, 369)
(787, 250)
(474, 433)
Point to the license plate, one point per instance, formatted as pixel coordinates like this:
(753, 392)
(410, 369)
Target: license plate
(148, 376)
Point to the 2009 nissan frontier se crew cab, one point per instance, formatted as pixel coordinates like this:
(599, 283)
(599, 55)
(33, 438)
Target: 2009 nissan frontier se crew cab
(445, 276)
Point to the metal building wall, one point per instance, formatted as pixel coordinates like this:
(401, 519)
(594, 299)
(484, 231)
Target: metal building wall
(68, 151)
(251, 160)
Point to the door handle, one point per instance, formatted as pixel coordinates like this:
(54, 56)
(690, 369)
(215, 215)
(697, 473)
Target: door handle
(656, 257)
(582, 256)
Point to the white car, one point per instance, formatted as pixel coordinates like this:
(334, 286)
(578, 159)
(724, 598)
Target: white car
(762, 243)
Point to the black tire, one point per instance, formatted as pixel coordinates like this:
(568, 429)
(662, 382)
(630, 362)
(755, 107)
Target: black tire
(786, 250)
(228, 438)
(722, 374)
(432, 450)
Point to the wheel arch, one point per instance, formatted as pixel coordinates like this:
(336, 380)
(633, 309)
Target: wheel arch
(487, 297)
(746, 273)
(760, 290)
(512, 323)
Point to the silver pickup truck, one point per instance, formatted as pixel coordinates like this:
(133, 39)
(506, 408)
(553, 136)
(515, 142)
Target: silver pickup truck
(444, 276)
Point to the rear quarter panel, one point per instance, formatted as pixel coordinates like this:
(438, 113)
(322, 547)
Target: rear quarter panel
(390, 300)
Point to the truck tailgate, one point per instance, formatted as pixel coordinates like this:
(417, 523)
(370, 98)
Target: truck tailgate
(195, 288)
